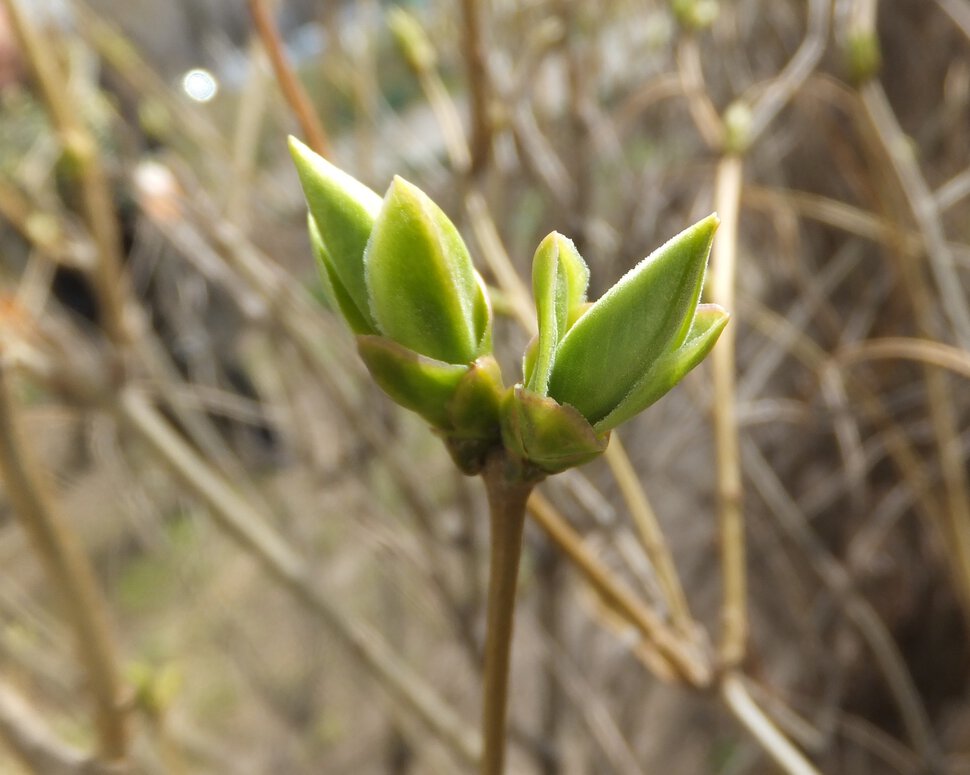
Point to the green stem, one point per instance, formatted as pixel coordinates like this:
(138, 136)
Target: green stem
(508, 492)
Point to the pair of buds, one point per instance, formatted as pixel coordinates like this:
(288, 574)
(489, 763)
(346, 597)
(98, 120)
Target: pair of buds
(403, 279)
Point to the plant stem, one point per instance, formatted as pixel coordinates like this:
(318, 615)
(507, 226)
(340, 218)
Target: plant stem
(729, 482)
(70, 573)
(478, 85)
(781, 750)
(35, 745)
(508, 493)
(293, 91)
(682, 657)
(651, 537)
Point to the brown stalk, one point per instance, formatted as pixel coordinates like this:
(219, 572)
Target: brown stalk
(35, 745)
(69, 573)
(507, 496)
(762, 727)
(293, 91)
(884, 127)
(729, 487)
(480, 145)
(688, 665)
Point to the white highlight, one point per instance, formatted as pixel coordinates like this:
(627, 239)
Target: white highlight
(200, 85)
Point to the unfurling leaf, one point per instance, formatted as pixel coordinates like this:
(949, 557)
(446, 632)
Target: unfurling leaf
(671, 368)
(417, 382)
(559, 280)
(646, 314)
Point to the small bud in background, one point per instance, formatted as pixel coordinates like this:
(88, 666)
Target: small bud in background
(695, 14)
(412, 40)
(862, 55)
(737, 127)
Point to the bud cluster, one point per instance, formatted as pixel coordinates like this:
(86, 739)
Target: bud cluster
(401, 276)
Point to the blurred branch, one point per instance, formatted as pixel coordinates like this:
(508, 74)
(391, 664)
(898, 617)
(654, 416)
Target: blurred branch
(476, 62)
(922, 350)
(534, 150)
(762, 728)
(684, 660)
(70, 574)
(421, 57)
(293, 91)
(44, 231)
(795, 524)
(954, 190)
(651, 536)
(593, 711)
(81, 149)
(245, 142)
(883, 126)
(857, 608)
(33, 743)
(959, 11)
(729, 487)
(577, 121)
(252, 531)
(785, 85)
(705, 115)
(913, 185)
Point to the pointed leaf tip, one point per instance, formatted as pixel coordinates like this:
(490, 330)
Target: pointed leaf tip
(344, 210)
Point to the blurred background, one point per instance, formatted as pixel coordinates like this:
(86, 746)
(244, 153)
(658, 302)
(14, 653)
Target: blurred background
(223, 550)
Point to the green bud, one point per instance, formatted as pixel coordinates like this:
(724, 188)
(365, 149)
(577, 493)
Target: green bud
(155, 688)
(424, 292)
(551, 436)
(343, 210)
(737, 127)
(412, 40)
(671, 368)
(473, 409)
(863, 56)
(559, 281)
(695, 14)
(646, 314)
